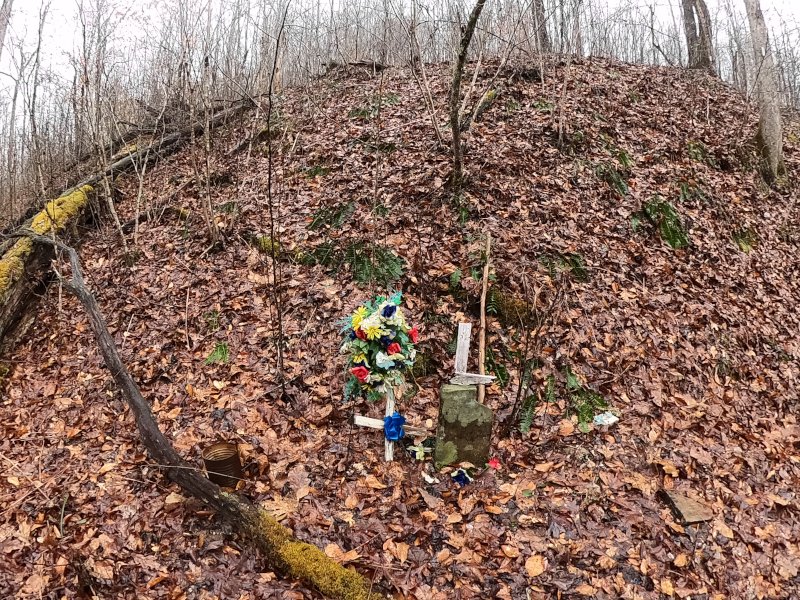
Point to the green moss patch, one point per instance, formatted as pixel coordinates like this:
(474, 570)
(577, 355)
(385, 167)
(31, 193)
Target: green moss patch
(53, 218)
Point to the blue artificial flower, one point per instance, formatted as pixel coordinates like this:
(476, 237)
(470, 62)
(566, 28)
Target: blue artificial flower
(388, 311)
(461, 477)
(393, 426)
(386, 340)
(352, 334)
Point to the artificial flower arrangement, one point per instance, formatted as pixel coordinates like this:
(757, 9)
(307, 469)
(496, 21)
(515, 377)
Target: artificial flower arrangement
(379, 344)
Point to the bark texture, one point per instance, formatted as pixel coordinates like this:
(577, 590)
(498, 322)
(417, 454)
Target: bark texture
(697, 25)
(455, 95)
(770, 127)
(540, 24)
(5, 17)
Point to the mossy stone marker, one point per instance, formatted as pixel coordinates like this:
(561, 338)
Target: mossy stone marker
(465, 425)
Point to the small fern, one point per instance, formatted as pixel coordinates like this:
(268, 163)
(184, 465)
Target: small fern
(332, 216)
(745, 239)
(374, 263)
(220, 354)
(527, 413)
(583, 402)
(455, 282)
(615, 178)
(664, 216)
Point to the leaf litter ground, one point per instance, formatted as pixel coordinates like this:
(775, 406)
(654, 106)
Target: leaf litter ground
(697, 349)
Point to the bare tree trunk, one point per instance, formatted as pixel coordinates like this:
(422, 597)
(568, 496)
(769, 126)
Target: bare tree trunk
(5, 17)
(540, 27)
(697, 25)
(455, 95)
(770, 130)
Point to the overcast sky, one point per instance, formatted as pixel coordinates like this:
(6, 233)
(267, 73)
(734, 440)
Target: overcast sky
(61, 31)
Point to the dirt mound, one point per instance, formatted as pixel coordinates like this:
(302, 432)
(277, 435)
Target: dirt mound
(631, 195)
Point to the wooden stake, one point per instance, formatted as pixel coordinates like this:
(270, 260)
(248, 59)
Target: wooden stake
(482, 332)
(389, 446)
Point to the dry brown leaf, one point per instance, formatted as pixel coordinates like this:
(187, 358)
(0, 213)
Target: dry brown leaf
(372, 482)
(454, 518)
(535, 565)
(681, 560)
(510, 551)
(566, 427)
(334, 552)
(173, 498)
(443, 556)
(401, 552)
(721, 527)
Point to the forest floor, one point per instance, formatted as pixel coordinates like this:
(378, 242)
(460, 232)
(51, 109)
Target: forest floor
(697, 349)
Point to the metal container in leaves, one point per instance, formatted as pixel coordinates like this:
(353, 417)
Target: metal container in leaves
(222, 463)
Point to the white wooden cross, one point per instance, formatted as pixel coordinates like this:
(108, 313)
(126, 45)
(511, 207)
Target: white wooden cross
(378, 424)
(461, 376)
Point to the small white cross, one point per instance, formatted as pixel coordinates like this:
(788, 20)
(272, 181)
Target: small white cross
(378, 424)
(461, 376)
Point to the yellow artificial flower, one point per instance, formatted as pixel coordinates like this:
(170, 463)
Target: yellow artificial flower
(360, 358)
(358, 316)
(373, 332)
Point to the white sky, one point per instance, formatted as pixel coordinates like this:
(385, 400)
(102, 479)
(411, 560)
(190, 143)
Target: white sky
(62, 29)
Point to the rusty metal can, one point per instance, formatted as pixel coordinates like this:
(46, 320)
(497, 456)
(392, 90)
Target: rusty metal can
(223, 465)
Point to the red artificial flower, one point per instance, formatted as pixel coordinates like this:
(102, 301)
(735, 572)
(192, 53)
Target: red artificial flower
(414, 334)
(361, 373)
(360, 334)
(394, 348)
(494, 463)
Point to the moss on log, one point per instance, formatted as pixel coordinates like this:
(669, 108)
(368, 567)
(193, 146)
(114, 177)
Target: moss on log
(24, 262)
(53, 218)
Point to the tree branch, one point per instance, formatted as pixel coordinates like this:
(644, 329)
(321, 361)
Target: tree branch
(281, 549)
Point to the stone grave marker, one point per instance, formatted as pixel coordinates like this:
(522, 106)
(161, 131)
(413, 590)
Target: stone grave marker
(464, 433)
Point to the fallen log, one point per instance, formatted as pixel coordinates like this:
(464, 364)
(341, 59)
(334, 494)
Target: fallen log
(282, 550)
(23, 262)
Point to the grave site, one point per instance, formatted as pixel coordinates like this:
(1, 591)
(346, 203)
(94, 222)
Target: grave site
(302, 359)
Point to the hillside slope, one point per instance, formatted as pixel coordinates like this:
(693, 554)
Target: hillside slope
(698, 348)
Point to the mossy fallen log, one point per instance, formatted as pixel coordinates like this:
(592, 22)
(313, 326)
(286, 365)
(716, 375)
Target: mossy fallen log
(23, 262)
(280, 548)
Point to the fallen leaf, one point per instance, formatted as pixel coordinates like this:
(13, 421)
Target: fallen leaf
(372, 482)
(401, 552)
(454, 518)
(535, 565)
(721, 527)
(173, 498)
(510, 551)
(566, 427)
